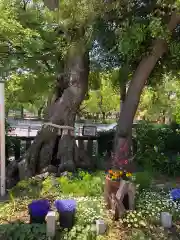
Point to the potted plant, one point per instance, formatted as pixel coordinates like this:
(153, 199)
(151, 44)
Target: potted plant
(114, 177)
(113, 181)
(66, 209)
(38, 210)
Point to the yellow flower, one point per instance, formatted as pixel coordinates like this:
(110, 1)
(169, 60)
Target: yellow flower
(121, 173)
(128, 174)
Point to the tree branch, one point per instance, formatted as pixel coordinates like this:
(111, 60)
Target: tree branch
(142, 73)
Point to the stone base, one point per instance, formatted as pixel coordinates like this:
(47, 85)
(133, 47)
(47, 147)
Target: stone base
(119, 197)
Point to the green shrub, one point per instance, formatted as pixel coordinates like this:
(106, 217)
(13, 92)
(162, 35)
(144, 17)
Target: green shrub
(79, 233)
(143, 179)
(30, 188)
(84, 184)
(81, 184)
(23, 231)
(156, 147)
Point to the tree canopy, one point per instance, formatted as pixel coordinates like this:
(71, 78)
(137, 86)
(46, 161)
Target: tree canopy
(35, 40)
(104, 99)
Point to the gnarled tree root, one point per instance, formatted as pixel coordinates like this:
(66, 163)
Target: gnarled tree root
(48, 156)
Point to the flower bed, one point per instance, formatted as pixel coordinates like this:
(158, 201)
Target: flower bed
(142, 223)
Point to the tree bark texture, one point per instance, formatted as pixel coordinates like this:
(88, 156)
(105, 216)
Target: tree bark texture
(123, 75)
(137, 84)
(48, 148)
(122, 95)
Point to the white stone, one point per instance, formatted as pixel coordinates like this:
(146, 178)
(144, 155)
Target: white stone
(166, 220)
(100, 227)
(51, 224)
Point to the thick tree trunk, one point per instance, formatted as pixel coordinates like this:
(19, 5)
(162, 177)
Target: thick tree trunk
(122, 95)
(123, 90)
(134, 92)
(63, 112)
(123, 79)
(48, 148)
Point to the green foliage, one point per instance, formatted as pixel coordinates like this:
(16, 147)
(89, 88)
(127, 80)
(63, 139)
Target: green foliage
(132, 37)
(105, 99)
(143, 179)
(26, 88)
(158, 148)
(158, 30)
(81, 184)
(49, 187)
(35, 41)
(142, 223)
(29, 48)
(84, 184)
(161, 101)
(30, 188)
(89, 209)
(21, 231)
(149, 145)
(79, 232)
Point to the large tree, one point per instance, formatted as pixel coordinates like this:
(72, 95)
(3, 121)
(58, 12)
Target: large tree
(141, 39)
(161, 40)
(78, 27)
(66, 54)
